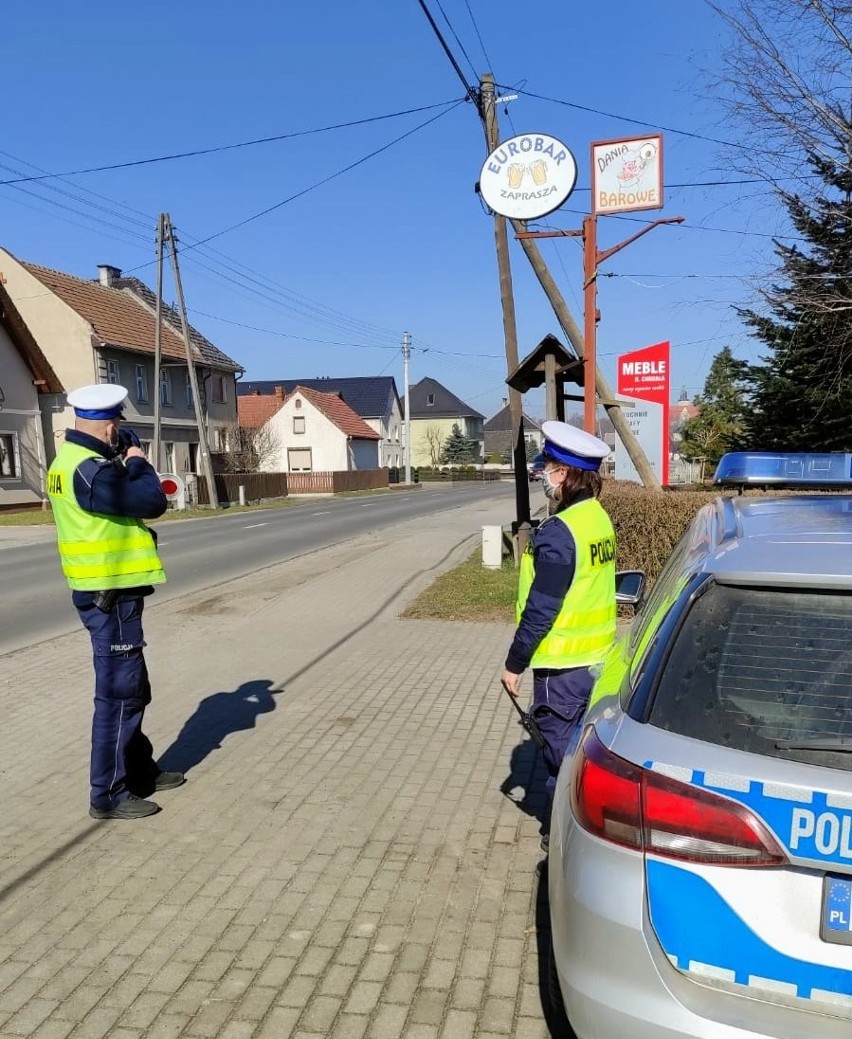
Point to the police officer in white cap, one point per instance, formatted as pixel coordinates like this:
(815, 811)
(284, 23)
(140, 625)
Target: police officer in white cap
(101, 488)
(566, 608)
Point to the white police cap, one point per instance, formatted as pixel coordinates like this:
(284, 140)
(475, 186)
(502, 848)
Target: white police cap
(573, 446)
(104, 400)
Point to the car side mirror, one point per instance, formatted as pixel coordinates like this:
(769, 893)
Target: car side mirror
(629, 587)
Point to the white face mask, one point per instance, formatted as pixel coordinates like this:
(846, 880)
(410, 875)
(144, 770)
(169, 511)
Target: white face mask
(551, 491)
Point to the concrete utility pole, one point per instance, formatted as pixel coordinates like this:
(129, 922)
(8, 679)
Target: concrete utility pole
(203, 449)
(158, 336)
(488, 112)
(406, 358)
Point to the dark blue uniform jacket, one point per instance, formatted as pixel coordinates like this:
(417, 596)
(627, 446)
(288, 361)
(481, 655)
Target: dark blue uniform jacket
(114, 487)
(555, 554)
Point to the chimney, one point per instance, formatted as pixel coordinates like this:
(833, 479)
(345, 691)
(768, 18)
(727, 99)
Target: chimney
(108, 274)
(279, 393)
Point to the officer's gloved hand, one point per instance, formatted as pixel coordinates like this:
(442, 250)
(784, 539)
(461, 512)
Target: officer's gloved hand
(127, 438)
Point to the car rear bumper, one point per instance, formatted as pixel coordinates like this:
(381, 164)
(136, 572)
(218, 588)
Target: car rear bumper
(615, 978)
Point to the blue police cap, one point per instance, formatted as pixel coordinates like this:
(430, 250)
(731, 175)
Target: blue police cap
(571, 446)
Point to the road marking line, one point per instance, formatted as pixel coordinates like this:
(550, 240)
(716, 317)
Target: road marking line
(251, 526)
(325, 512)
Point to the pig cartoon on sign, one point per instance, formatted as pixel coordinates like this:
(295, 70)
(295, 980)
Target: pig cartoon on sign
(635, 163)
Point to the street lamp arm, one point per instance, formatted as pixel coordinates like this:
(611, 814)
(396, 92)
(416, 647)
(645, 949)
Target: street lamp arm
(604, 254)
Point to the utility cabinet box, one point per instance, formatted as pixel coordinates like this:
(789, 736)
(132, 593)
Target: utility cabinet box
(492, 547)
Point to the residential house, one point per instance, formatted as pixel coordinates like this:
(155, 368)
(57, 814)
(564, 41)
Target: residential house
(308, 431)
(104, 331)
(434, 412)
(373, 398)
(28, 388)
(498, 435)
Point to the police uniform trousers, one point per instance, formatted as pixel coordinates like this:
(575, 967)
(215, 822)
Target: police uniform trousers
(560, 697)
(122, 756)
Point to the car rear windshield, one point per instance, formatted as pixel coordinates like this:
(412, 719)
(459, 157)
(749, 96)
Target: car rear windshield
(752, 668)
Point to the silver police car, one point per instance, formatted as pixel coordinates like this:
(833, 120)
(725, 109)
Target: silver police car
(700, 870)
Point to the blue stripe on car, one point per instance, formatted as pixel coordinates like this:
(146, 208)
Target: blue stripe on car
(679, 900)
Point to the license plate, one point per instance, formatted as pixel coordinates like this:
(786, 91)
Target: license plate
(837, 910)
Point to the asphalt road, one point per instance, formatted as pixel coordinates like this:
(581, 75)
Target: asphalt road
(198, 554)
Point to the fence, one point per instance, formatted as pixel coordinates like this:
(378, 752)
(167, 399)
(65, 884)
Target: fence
(279, 485)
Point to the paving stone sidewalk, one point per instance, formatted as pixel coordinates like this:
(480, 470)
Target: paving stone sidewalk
(341, 863)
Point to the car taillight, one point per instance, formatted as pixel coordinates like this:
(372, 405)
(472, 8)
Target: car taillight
(640, 809)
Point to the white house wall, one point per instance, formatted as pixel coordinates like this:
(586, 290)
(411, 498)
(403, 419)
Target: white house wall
(22, 466)
(328, 444)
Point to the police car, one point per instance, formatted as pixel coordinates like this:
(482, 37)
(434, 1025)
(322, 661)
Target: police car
(700, 869)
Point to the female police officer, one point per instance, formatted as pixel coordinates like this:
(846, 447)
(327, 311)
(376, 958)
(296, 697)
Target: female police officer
(566, 591)
(101, 487)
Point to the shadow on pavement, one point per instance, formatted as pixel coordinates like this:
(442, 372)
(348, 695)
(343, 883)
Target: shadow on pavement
(216, 717)
(524, 785)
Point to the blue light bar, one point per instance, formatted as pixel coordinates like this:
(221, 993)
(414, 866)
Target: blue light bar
(783, 469)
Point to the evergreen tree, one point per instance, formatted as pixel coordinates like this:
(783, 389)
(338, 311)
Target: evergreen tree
(802, 394)
(457, 448)
(721, 415)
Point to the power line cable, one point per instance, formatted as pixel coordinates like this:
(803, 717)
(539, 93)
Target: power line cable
(624, 118)
(471, 93)
(488, 61)
(456, 37)
(229, 147)
(288, 335)
(317, 184)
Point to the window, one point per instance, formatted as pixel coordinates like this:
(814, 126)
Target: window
(10, 465)
(760, 670)
(220, 437)
(299, 459)
(165, 386)
(430, 399)
(298, 423)
(141, 384)
(169, 455)
(219, 390)
(192, 461)
(113, 373)
(146, 447)
(187, 390)
(298, 402)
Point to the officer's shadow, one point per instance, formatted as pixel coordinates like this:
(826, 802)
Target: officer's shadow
(525, 784)
(216, 717)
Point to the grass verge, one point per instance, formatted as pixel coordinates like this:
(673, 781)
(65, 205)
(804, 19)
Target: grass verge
(469, 592)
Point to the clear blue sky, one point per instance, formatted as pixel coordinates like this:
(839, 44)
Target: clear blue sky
(400, 242)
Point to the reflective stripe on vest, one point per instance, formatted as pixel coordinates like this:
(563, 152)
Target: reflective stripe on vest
(584, 628)
(97, 552)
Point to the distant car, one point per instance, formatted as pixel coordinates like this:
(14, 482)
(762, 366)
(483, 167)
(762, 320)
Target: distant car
(534, 472)
(700, 864)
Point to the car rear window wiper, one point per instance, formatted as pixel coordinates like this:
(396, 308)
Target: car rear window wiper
(839, 744)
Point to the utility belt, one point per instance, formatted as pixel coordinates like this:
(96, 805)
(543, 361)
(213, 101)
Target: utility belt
(106, 600)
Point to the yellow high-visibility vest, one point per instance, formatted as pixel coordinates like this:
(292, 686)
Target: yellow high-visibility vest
(97, 552)
(584, 628)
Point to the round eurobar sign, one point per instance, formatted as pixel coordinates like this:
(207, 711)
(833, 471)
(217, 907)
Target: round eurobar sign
(528, 176)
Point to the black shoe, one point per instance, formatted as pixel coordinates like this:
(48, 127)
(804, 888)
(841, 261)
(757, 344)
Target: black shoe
(132, 808)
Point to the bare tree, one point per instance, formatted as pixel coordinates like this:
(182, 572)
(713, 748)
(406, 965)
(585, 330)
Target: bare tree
(786, 83)
(433, 438)
(247, 449)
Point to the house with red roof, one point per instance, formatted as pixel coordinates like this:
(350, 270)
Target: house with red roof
(103, 329)
(309, 431)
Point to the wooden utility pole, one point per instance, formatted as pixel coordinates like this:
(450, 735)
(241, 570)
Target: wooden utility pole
(203, 449)
(488, 112)
(158, 336)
